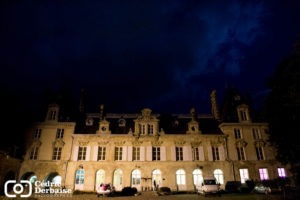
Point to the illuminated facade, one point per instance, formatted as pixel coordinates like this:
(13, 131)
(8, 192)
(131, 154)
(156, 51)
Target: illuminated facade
(138, 149)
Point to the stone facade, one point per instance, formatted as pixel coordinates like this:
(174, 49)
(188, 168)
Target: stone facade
(146, 149)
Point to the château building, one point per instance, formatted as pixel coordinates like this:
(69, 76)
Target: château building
(136, 149)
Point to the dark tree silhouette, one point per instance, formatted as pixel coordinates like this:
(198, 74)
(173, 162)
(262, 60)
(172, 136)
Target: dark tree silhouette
(283, 110)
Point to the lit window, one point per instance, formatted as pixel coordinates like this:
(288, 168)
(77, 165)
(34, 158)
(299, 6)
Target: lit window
(218, 174)
(244, 174)
(281, 172)
(118, 153)
(56, 153)
(60, 133)
(198, 178)
(136, 177)
(179, 153)
(101, 153)
(263, 174)
(180, 177)
(81, 153)
(79, 180)
(136, 153)
(156, 153)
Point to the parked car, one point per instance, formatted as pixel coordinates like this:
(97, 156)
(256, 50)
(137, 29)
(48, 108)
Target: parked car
(105, 190)
(233, 186)
(266, 187)
(209, 186)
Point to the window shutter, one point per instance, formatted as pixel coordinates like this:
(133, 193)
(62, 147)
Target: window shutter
(142, 153)
(130, 153)
(95, 153)
(124, 154)
(163, 153)
(209, 153)
(88, 153)
(187, 153)
(173, 153)
(201, 153)
(149, 153)
(75, 153)
(222, 153)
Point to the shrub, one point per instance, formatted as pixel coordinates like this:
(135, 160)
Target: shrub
(129, 191)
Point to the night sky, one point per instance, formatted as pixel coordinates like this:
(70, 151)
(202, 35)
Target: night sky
(165, 55)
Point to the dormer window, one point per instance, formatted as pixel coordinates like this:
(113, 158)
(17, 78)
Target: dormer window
(150, 129)
(243, 113)
(52, 115)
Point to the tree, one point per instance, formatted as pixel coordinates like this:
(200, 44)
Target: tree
(283, 110)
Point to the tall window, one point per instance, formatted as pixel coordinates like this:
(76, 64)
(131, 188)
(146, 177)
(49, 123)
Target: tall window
(100, 177)
(34, 153)
(215, 153)
(37, 133)
(56, 153)
(198, 178)
(244, 174)
(136, 152)
(79, 177)
(142, 128)
(150, 129)
(81, 153)
(136, 177)
(281, 172)
(118, 153)
(263, 174)
(243, 115)
(196, 153)
(237, 133)
(180, 177)
(179, 153)
(155, 153)
(241, 153)
(256, 134)
(259, 153)
(101, 153)
(60, 133)
(52, 115)
(218, 174)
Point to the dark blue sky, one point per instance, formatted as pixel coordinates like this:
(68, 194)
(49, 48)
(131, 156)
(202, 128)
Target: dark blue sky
(166, 55)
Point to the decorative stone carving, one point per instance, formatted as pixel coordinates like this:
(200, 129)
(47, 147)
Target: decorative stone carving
(101, 143)
(119, 143)
(156, 143)
(58, 143)
(180, 143)
(83, 143)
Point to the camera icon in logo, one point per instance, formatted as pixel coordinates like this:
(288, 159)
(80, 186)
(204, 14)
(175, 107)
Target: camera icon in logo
(18, 188)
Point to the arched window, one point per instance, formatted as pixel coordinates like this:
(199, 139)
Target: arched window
(100, 177)
(218, 174)
(156, 176)
(118, 179)
(136, 179)
(180, 177)
(198, 178)
(79, 180)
